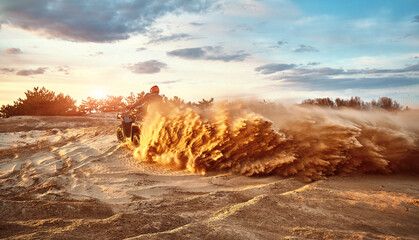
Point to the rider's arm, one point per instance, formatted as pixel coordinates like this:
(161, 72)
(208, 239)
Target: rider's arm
(137, 104)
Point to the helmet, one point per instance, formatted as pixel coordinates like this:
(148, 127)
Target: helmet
(154, 89)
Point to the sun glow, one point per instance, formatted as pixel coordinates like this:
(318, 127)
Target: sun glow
(98, 93)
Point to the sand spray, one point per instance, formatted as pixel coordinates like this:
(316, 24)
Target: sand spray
(258, 138)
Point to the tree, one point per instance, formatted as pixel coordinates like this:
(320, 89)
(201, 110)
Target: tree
(341, 103)
(355, 102)
(388, 104)
(131, 99)
(9, 110)
(205, 103)
(40, 102)
(62, 102)
(324, 102)
(89, 105)
(175, 100)
(112, 104)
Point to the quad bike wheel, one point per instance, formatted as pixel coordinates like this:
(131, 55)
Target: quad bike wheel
(136, 140)
(120, 135)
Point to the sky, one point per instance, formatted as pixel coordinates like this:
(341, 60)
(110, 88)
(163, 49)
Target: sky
(227, 49)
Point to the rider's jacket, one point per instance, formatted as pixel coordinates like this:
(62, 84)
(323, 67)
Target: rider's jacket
(148, 98)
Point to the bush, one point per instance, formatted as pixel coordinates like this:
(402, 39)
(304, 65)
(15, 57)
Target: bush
(40, 102)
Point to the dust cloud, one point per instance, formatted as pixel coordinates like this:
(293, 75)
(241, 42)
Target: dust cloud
(258, 138)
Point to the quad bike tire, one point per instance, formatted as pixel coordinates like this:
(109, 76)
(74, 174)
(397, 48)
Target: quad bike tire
(120, 135)
(136, 139)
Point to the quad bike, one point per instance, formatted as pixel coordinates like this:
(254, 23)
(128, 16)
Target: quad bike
(130, 128)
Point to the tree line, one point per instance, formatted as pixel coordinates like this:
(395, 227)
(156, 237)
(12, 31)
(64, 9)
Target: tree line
(43, 102)
(355, 103)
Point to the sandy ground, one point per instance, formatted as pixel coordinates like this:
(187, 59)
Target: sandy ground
(67, 178)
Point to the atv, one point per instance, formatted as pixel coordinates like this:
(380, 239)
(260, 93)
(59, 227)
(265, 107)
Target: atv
(130, 128)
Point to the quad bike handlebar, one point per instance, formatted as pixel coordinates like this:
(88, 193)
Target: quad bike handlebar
(131, 113)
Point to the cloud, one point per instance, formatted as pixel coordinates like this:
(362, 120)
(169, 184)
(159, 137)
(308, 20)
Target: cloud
(408, 69)
(280, 43)
(29, 72)
(7, 70)
(416, 18)
(242, 27)
(313, 63)
(273, 68)
(239, 57)
(63, 69)
(169, 82)
(197, 24)
(326, 71)
(188, 53)
(318, 83)
(173, 37)
(319, 79)
(147, 67)
(96, 54)
(93, 20)
(140, 49)
(305, 48)
(246, 8)
(412, 68)
(208, 53)
(13, 51)
(398, 39)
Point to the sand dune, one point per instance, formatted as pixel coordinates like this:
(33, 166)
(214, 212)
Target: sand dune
(68, 178)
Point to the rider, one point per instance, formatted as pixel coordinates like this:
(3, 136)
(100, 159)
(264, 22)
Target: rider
(138, 109)
(152, 96)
